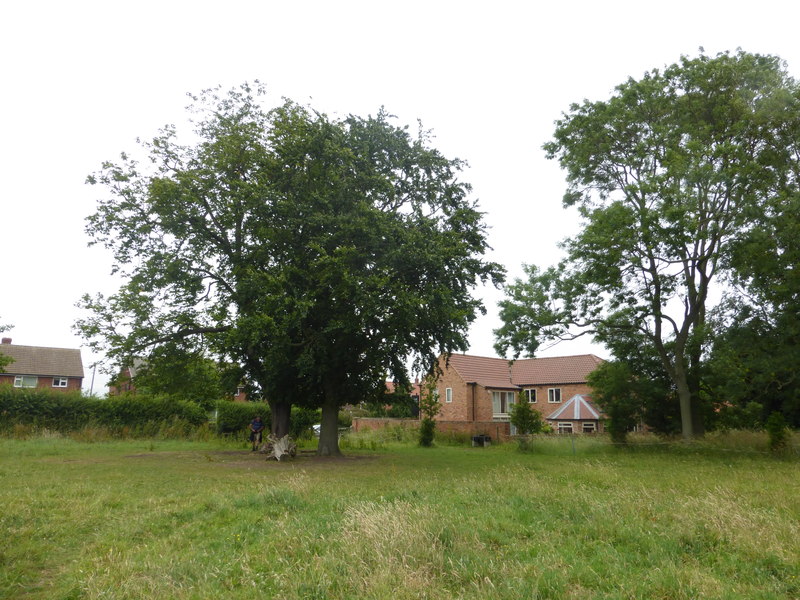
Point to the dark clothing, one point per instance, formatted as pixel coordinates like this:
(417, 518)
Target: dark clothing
(256, 427)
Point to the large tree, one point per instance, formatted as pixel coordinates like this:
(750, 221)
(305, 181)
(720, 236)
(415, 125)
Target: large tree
(318, 254)
(382, 247)
(665, 175)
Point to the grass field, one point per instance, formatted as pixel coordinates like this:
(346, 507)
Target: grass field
(177, 520)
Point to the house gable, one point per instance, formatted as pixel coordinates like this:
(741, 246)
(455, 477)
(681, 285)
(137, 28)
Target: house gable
(59, 368)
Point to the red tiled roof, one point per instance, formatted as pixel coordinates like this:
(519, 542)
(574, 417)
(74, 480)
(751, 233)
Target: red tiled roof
(558, 369)
(488, 372)
(502, 373)
(577, 408)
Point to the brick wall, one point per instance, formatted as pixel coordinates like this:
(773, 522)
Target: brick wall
(73, 383)
(460, 408)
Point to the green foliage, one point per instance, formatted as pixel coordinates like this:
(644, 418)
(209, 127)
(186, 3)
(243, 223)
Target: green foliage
(632, 396)
(69, 411)
(748, 417)
(525, 418)
(127, 410)
(429, 407)
(396, 405)
(5, 360)
(427, 430)
(754, 360)
(298, 247)
(171, 371)
(234, 417)
(778, 432)
(345, 419)
(667, 175)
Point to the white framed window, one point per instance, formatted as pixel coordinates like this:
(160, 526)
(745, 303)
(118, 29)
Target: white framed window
(25, 381)
(502, 403)
(589, 427)
(565, 428)
(554, 395)
(531, 396)
(60, 382)
(448, 395)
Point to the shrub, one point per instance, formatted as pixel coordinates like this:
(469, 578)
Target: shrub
(234, 417)
(302, 419)
(429, 407)
(778, 432)
(426, 430)
(525, 418)
(69, 412)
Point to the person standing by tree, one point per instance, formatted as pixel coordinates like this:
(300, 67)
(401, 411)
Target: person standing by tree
(256, 429)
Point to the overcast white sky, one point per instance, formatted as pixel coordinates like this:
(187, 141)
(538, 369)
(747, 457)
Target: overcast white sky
(81, 80)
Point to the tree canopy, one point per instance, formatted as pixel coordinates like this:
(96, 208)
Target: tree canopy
(319, 255)
(667, 176)
(5, 360)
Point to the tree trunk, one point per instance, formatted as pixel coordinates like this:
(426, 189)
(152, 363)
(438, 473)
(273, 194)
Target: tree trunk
(681, 380)
(281, 414)
(329, 432)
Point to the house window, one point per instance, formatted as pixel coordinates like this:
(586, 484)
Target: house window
(502, 403)
(554, 395)
(531, 396)
(448, 394)
(60, 382)
(565, 428)
(589, 427)
(25, 381)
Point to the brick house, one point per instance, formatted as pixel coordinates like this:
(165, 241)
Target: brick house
(476, 393)
(40, 367)
(124, 383)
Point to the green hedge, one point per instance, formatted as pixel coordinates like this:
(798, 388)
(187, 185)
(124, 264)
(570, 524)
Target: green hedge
(70, 411)
(67, 411)
(234, 417)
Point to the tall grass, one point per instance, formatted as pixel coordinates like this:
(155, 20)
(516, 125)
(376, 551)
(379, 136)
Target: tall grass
(175, 519)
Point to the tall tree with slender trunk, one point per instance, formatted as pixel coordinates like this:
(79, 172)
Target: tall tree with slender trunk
(665, 175)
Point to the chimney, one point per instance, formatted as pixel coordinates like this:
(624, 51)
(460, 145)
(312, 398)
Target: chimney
(7, 340)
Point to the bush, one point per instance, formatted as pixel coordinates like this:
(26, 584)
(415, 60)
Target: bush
(429, 407)
(525, 418)
(302, 419)
(234, 417)
(426, 430)
(778, 432)
(67, 412)
(138, 410)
